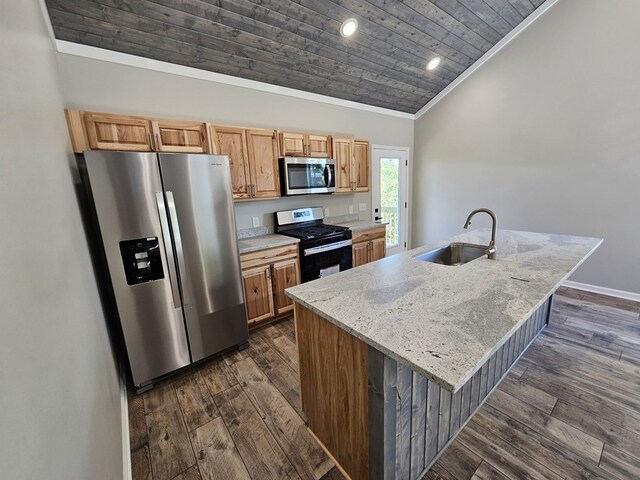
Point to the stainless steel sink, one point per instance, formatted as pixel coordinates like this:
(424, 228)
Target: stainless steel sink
(455, 253)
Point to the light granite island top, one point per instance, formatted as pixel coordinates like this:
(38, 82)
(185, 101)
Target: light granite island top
(445, 322)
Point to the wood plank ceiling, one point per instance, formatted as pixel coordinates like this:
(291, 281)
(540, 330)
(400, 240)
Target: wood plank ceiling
(297, 44)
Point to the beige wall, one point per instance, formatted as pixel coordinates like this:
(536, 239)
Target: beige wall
(60, 410)
(546, 133)
(102, 86)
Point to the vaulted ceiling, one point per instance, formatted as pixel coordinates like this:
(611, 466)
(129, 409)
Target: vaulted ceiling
(298, 44)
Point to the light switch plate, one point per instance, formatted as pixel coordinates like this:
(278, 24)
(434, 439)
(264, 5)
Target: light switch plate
(326, 211)
(363, 207)
(255, 221)
(350, 209)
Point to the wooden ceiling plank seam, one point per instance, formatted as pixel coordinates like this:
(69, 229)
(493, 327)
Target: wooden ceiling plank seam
(488, 15)
(339, 13)
(368, 15)
(411, 17)
(442, 77)
(429, 10)
(179, 59)
(407, 88)
(373, 49)
(524, 7)
(338, 55)
(508, 13)
(104, 12)
(469, 18)
(415, 78)
(154, 41)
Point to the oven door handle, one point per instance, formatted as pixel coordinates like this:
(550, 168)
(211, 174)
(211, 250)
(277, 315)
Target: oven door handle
(327, 248)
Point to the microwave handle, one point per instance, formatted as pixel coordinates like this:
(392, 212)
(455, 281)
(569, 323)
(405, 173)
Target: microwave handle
(327, 175)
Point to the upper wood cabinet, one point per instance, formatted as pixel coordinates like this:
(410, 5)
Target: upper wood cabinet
(353, 165)
(180, 137)
(343, 155)
(319, 145)
(253, 154)
(263, 163)
(105, 131)
(361, 165)
(305, 145)
(232, 141)
(293, 144)
(118, 132)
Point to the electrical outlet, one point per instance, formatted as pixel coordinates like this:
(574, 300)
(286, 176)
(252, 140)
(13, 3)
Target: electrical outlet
(363, 207)
(350, 209)
(256, 221)
(326, 211)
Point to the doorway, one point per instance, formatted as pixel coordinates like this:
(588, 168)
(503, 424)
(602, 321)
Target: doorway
(390, 194)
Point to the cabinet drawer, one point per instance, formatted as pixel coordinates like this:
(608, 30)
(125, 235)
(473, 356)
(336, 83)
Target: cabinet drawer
(366, 235)
(271, 255)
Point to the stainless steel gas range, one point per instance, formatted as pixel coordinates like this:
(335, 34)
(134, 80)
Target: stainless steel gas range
(324, 249)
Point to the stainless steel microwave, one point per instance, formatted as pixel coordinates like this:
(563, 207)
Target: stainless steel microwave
(307, 175)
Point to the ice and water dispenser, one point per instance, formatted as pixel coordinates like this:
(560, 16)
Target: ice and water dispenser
(142, 260)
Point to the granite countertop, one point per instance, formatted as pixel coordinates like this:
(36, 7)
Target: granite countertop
(253, 244)
(445, 321)
(360, 225)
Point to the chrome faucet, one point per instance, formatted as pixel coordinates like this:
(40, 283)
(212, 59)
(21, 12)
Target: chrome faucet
(491, 248)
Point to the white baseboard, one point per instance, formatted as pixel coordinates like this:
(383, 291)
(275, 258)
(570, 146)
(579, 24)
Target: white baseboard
(603, 290)
(124, 411)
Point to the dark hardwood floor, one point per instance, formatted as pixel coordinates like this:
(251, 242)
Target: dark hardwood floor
(569, 408)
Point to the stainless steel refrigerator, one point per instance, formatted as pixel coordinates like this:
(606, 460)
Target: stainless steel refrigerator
(168, 230)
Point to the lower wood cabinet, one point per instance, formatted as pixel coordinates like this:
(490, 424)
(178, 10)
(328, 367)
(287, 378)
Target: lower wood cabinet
(266, 274)
(369, 246)
(258, 293)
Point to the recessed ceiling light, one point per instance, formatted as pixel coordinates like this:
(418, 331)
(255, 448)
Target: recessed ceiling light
(349, 27)
(433, 63)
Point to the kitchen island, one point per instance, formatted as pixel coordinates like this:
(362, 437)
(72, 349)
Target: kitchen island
(396, 355)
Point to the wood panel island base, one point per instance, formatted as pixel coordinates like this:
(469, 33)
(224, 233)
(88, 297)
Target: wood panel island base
(378, 418)
(397, 355)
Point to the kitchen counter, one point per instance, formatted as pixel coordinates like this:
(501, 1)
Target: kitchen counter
(446, 321)
(360, 225)
(396, 355)
(263, 242)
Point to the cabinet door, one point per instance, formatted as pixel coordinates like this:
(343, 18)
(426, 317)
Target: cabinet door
(319, 145)
(378, 249)
(361, 165)
(181, 137)
(258, 293)
(343, 155)
(360, 254)
(118, 132)
(232, 141)
(285, 274)
(263, 163)
(292, 144)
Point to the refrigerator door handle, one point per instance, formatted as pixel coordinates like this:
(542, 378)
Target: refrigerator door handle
(175, 228)
(168, 250)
